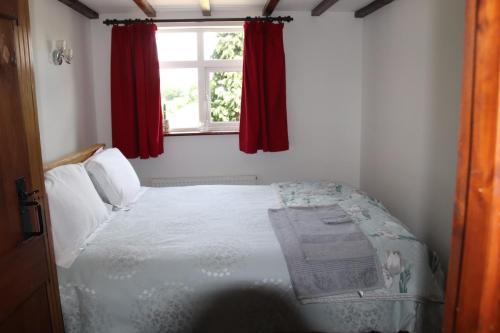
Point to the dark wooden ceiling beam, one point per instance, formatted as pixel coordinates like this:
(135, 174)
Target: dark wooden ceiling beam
(205, 7)
(269, 7)
(146, 7)
(81, 8)
(322, 7)
(371, 7)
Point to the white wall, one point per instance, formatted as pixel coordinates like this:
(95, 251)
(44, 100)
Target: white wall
(371, 102)
(412, 64)
(64, 93)
(324, 62)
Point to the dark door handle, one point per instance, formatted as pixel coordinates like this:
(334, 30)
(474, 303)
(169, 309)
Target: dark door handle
(27, 201)
(39, 210)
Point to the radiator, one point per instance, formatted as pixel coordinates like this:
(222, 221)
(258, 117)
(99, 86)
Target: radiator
(215, 180)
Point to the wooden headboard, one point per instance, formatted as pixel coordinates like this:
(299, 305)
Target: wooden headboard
(76, 157)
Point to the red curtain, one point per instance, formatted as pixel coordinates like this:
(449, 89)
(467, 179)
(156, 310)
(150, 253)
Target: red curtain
(135, 91)
(263, 123)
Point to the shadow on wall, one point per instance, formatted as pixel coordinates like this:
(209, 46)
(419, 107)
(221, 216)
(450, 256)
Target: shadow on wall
(445, 92)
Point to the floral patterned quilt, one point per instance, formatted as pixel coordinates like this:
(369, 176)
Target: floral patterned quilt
(205, 259)
(410, 271)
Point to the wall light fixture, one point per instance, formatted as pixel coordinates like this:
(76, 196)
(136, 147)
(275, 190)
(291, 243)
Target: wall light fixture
(62, 53)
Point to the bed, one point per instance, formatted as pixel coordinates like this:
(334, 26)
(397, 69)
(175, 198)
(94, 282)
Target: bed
(206, 259)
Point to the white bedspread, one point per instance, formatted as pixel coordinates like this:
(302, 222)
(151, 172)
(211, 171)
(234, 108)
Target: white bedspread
(203, 258)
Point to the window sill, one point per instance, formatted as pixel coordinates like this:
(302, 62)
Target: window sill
(195, 133)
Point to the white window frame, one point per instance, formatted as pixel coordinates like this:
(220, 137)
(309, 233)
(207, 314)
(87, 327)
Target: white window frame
(205, 67)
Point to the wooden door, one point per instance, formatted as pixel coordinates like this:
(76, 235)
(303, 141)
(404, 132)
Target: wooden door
(473, 288)
(29, 299)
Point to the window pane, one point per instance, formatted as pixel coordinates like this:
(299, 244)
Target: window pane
(177, 46)
(179, 97)
(225, 96)
(223, 45)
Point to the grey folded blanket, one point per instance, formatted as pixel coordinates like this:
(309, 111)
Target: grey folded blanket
(326, 252)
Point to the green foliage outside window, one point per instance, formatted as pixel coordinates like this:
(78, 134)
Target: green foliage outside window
(177, 99)
(225, 87)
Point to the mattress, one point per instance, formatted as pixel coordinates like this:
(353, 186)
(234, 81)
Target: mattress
(206, 259)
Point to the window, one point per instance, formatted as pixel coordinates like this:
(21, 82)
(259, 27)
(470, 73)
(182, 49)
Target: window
(201, 78)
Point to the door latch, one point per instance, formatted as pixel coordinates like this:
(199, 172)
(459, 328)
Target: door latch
(29, 200)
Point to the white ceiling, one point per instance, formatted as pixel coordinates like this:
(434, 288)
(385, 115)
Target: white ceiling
(123, 6)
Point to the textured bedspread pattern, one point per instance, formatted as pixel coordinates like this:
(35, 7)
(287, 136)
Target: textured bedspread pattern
(326, 252)
(206, 259)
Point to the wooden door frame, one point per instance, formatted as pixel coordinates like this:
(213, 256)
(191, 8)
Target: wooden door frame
(30, 117)
(473, 286)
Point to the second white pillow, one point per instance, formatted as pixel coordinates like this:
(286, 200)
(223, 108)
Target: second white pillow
(114, 177)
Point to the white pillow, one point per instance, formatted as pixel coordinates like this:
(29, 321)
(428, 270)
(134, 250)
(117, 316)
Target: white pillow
(114, 178)
(76, 210)
(98, 151)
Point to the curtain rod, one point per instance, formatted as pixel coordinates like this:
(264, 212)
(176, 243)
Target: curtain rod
(208, 19)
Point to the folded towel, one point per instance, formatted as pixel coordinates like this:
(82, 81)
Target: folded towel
(325, 258)
(336, 251)
(333, 215)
